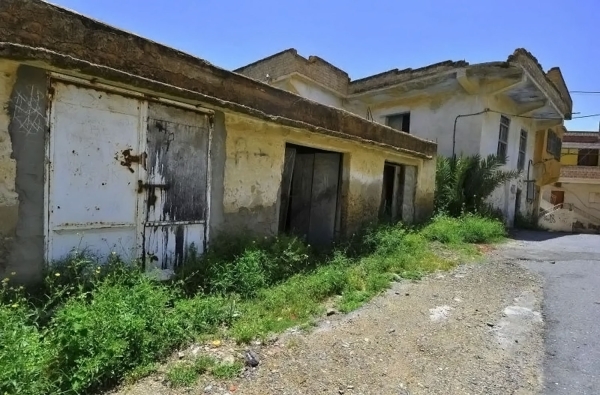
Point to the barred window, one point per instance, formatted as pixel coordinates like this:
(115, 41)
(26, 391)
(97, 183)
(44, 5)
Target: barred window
(553, 144)
(503, 137)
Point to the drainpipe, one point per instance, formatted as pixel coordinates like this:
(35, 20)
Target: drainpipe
(454, 130)
(528, 181)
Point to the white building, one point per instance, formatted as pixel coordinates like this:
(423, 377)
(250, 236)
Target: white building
(508, 107)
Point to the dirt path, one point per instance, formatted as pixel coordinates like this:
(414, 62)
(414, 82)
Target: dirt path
(475, 330)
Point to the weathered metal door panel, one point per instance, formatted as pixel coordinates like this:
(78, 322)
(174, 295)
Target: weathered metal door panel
(176, 187)
(324, 196)
(286, 186)
(300, 203)
(91, 193)
(313, 202)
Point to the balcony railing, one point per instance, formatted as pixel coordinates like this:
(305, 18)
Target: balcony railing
(587, 172)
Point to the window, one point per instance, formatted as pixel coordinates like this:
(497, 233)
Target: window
(553, 144)
(503, 137)
(399, 122)
(587, 157)
(522, 150)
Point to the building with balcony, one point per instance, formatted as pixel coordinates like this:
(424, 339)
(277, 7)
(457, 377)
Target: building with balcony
(572, 204)
(511, 107)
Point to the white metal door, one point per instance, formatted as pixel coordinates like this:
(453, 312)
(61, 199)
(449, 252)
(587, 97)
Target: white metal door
(93, 173)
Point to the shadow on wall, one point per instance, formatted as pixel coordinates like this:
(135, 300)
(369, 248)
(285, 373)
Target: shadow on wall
(531, 235)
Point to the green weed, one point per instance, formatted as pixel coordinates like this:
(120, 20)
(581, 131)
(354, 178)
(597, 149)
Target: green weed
(182, 374)
(203, 364)
(469, 228)
(92, 324)
(226, 371)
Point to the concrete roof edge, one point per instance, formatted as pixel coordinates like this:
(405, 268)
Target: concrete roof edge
(289, 50)
(522, 56)
(55, 60)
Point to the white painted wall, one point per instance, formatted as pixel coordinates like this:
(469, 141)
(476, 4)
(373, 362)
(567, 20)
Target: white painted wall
(434, 120)
(586, 200)
(558, 221)
(315, 92)
(505, 197)
(584, 196)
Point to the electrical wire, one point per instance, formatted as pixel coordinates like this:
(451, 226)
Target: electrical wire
(543, 118)
(586, 92)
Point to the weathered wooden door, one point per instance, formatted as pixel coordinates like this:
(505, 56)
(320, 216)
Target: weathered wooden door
(92, 173)
(313, 196)
(176, 186)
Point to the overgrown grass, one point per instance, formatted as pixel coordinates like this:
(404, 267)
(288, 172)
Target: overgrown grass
(469, 228)
(92, 325)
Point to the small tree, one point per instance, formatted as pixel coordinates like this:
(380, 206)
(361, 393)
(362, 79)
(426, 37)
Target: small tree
(464, 183)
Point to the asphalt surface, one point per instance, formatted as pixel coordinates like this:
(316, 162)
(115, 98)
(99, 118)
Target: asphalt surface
(570, 265)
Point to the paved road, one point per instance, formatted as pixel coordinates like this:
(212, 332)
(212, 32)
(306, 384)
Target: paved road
(570, 265)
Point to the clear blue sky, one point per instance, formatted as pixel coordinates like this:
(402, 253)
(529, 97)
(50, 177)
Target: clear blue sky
(368, 37)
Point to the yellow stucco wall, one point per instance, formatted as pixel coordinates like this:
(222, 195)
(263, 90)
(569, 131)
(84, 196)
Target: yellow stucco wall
(547, 168)
(256, 147)
(568, 156)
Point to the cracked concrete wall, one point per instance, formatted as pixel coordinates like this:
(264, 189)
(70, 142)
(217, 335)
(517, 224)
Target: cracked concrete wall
(253, 169)
(27, 108)
(8, 194)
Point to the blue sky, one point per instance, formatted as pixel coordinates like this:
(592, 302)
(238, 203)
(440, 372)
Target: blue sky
(368, 37)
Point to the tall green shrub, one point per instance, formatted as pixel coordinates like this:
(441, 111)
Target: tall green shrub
(464, 183)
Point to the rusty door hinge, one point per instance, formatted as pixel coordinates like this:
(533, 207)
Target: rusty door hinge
(127, 159)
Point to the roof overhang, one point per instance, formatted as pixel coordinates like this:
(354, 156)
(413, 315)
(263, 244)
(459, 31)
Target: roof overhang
(523, 83)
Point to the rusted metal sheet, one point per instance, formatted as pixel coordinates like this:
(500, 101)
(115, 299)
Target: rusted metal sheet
(91, 199)
(177, 184)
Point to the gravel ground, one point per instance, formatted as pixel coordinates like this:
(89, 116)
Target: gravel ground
(475, 330)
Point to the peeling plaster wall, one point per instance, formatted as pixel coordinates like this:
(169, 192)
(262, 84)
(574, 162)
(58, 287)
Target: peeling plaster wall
(27, 109)
(585, 217)
(558, 221)
(253, 170)
(8, 195)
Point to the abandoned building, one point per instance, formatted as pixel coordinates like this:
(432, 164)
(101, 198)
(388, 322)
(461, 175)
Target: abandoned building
(512, 108)
(111, 143)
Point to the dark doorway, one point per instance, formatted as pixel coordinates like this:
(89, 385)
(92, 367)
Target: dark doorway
(392, 192)
(310, 194)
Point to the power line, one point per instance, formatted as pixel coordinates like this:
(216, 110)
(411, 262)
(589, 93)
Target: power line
(586, 116)
(543, 118)
(586, 92)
